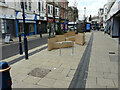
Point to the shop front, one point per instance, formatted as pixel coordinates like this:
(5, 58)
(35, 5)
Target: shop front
(56, 23)
(64, 25)
(41, 22)
(30, 24)
(50, 25)
(7, 23)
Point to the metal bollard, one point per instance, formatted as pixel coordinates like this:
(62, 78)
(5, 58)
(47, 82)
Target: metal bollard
(20, 45)
(5, 78)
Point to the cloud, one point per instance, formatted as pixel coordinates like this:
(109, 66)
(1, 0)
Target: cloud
(92, 6)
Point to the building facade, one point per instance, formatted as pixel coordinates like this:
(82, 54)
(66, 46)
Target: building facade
(113, 18)
(100, 16)
(38, 13)
(63, 8)
(7, 18)
(105, 16)
(72, 16)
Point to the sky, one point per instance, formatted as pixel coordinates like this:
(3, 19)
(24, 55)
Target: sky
(92, 6)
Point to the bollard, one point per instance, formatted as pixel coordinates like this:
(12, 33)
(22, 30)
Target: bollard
(20, 45)
(5, 78)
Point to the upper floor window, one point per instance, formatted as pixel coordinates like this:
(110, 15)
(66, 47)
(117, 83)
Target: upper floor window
(48, 9)
(3, 1)
(51, 9)
(25, 4)
(57, 11)
(61, 4)
(39, 6)
(66, 5)
(42, 6)
(30, 5)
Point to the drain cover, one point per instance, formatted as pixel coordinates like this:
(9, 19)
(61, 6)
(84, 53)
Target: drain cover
(111, 52)
(39, 72)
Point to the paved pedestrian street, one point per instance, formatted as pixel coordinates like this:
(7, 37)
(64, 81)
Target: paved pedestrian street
(62, 67)
(59, 71)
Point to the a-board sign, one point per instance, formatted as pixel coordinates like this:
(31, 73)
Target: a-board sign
(88, 26)
(7, 38)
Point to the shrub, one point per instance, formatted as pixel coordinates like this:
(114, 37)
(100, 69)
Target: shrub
(51, 36)
(59, 32)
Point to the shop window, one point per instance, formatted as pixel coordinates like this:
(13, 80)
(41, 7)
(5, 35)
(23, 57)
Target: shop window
(3, 26)
(31, 27)
(20, 25)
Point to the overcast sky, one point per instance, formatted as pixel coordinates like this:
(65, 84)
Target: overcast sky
(92, 6)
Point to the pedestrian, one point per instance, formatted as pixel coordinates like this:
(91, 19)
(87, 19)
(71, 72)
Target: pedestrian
(49, 29)
(40, 32)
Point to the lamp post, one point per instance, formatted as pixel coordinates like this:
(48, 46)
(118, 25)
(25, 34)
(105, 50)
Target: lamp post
(84, 18)
(54, 15)
(39, 21)
(25, 39)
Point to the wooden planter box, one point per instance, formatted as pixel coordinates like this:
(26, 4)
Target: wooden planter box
(51, 42)
(80, 38)
(59, 38)
(70, 36)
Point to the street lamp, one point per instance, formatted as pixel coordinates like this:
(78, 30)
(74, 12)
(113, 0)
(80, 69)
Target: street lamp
(54, 15)
(84, 18)
(25, 39)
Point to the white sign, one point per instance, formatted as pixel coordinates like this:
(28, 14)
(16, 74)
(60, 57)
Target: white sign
(27, 16)
(7, 38)
(7, 16)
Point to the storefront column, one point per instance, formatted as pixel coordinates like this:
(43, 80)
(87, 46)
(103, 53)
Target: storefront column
(17, 28)
(35, 28)
(113, 27)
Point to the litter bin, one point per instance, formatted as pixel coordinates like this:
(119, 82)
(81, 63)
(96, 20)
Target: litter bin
(5, 79)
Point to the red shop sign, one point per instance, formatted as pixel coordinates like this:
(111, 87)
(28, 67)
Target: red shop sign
(50, 20)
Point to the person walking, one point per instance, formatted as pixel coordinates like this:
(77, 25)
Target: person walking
(40, 32)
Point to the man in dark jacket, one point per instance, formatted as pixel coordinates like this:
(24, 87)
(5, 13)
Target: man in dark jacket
(40, 32)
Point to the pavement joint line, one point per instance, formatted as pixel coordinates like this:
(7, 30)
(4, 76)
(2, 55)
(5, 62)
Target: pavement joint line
(31, 52)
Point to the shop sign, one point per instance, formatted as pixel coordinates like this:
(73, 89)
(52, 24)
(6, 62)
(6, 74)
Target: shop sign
(62, 21)
(7, 16)
(7, 38)
(50, 20)
(27, 16)
(42, 18)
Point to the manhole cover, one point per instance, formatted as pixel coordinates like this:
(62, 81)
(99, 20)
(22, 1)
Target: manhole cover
(39, 72)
